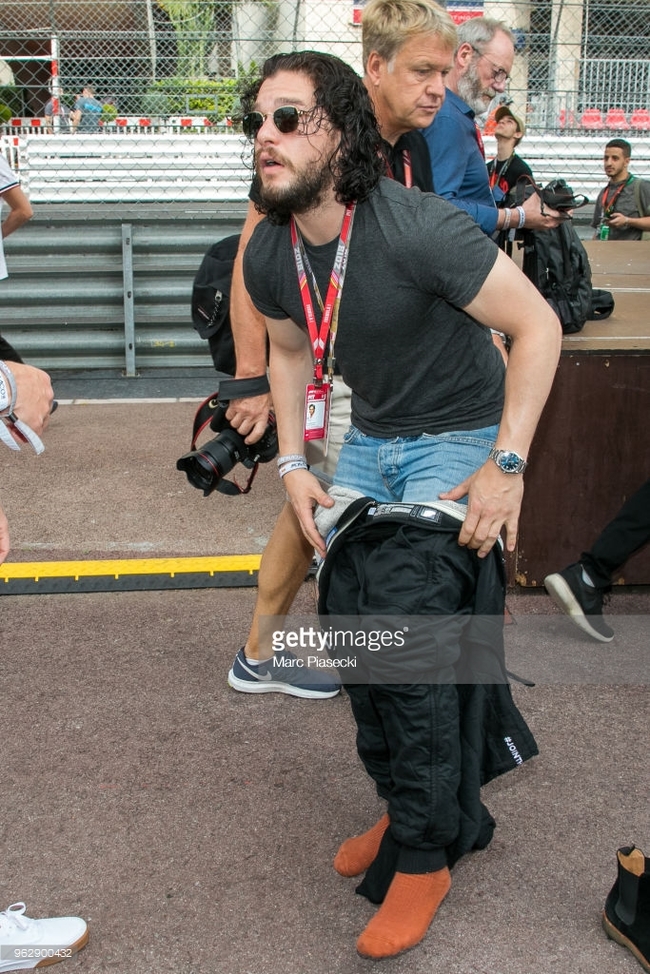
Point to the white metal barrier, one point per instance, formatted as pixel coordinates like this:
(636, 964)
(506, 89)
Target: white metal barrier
(134, 168)
(578, 159)
(158, 168)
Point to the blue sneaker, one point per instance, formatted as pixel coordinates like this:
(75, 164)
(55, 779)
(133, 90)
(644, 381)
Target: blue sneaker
(281, 675)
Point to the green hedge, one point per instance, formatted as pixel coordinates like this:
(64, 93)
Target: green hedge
(12, 98)
(213, 99)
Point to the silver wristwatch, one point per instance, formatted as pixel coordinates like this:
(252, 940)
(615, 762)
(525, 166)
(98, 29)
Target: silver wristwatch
(507, 461)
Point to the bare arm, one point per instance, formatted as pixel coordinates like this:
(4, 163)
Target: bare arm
(535, 219)
(20, 210)
(633, 222)
(509, 303)
(291, 363)
(248, 416)
(4, 536)
(33, 406)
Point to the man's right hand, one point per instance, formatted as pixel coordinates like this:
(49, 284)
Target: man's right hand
(250, 417)
(305, 495)
(536, 220)
(34, 396)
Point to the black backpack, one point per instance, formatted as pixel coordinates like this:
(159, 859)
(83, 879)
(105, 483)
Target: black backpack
(211, 302)
(557, 264)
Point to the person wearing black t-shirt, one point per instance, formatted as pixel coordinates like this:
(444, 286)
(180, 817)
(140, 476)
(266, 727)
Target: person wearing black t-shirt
(411, 287)
(507, 167)
(407, 52)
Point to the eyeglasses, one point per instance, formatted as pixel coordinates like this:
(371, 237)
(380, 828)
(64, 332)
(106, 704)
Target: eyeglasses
(498, 74)
(285, 119)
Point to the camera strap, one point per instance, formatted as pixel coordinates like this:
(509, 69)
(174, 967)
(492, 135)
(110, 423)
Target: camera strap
(203, 417)
(555, 194)
(242, 388)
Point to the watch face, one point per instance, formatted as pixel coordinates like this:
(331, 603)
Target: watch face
(509, 462)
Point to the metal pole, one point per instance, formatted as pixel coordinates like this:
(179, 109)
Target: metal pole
(129, 311)
(55, 85)
(151, 28)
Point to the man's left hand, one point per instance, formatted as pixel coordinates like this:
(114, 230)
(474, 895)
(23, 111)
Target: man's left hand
(618, 221)
(494, 502)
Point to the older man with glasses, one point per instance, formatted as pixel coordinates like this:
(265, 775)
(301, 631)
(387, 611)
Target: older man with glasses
(482, 63)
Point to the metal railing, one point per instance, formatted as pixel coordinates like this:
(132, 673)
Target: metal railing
(101, 292)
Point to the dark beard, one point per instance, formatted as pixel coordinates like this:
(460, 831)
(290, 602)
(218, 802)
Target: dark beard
(306, 193)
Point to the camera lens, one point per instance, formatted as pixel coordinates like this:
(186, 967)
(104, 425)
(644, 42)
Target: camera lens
(207, 466)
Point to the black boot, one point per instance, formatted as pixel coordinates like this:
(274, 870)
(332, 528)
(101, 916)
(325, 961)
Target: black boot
(626, 917)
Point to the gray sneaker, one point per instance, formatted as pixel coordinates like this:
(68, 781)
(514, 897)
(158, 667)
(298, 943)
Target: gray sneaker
(284, 673)
(583, 603)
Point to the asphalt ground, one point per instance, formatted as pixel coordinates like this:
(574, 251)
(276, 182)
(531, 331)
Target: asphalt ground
(193, 826)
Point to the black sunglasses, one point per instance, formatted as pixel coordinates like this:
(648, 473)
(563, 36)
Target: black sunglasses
(285, 119)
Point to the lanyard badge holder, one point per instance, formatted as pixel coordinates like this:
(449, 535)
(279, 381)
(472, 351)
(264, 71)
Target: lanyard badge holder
(318, 392)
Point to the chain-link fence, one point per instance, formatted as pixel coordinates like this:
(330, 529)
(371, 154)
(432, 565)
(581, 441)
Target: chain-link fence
(163, 76)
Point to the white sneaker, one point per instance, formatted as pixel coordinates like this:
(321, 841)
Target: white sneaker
(26, 943)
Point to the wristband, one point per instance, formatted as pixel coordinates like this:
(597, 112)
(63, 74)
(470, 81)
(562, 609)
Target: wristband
(293, 465)
(506, 219)
(522, 216)
(8, 401)
(8, 392)
(289, 457)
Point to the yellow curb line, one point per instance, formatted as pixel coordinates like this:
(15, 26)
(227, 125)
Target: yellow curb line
(129, 566)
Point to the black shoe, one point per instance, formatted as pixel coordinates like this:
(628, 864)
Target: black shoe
(626, 917)
(582, 602)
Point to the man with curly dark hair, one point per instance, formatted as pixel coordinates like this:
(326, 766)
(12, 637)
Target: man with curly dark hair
(409, 288)
(407, 52)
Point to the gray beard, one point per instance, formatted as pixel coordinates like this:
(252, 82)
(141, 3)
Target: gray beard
(471, 90)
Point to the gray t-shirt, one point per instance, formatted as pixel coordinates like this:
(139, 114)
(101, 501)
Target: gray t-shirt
(415, 361)
(626, 203)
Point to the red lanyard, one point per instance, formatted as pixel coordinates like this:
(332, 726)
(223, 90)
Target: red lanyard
(608, 205)
(408, 168)
(319, 336)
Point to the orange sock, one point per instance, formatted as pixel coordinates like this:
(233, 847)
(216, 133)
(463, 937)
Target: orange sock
(404, 917)
(355, 855)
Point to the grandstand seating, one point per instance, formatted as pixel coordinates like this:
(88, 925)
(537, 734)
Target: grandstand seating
(640, 119)
(566, 119)
(616, 120)
(592, 119)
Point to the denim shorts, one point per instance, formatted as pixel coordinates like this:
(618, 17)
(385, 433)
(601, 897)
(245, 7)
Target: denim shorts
(415, 469)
